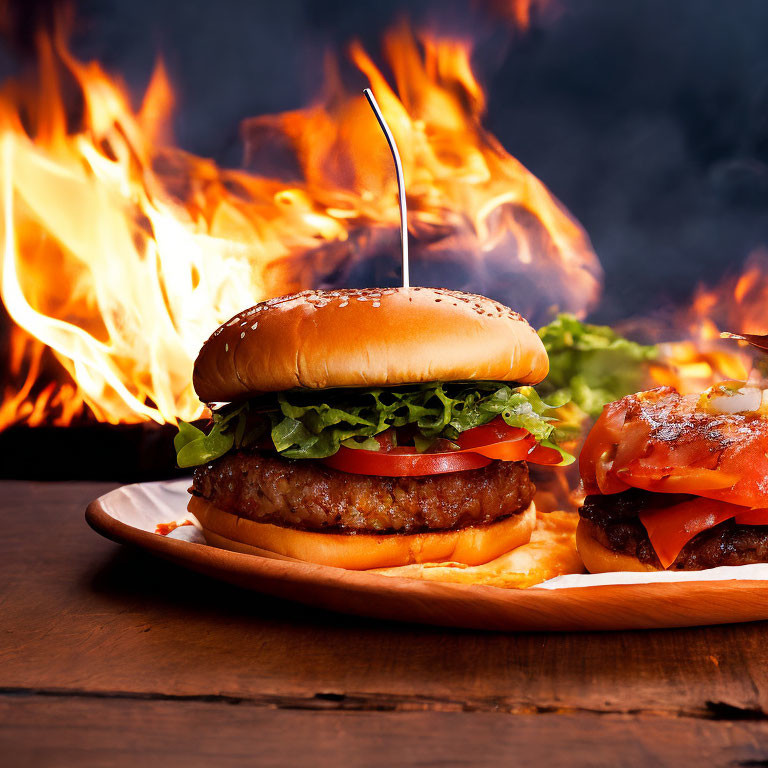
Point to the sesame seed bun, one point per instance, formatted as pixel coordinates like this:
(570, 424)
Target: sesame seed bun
(472, 545)
(367, 338)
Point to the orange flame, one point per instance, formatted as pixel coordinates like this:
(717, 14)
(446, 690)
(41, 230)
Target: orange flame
(738, 304)
(121, 253)
(55, 404)
(519, 11)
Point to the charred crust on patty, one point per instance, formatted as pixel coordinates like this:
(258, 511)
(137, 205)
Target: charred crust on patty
(614, 523)
(307, 495)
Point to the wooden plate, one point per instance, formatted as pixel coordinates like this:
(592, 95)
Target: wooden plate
(601, 607)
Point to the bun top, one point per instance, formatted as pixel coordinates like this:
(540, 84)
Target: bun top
(367, 338)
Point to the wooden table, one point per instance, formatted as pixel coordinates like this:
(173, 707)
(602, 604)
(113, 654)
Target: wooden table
(111, 658)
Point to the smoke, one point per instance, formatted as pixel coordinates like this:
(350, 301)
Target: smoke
(649, 120)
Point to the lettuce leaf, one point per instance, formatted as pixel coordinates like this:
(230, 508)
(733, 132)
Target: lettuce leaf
(592, 365)
(312, 425)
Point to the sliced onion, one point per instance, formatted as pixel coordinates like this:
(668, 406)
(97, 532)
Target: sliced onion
(744, 400)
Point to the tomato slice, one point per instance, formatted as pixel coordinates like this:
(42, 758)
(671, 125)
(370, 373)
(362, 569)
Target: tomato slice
(542, 454)
(751, 517)
(494, 432)
(671, 528)
(599, 450)
(477, 448)
(695, 480)
(663, 442)
(399, 463)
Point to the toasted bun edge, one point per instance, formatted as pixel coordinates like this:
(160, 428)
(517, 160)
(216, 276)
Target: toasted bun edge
(600, 559)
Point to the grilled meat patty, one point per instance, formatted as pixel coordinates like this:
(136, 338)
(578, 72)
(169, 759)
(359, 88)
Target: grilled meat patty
(614, 522)
(306, 494)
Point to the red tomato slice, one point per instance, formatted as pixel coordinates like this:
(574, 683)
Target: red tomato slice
(599, 450)
(542, 454)
(752, 517)
(695, 480)
(607, 481)
(662, 442)
(478, 447)
(497, 440)
(495, 431)
(671, 528)
(396, 463)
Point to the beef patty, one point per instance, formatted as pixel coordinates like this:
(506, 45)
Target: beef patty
(306, 494)
(615, 524)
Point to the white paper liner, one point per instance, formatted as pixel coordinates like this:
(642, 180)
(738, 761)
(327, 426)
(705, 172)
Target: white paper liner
(758, 571)
(144, 505)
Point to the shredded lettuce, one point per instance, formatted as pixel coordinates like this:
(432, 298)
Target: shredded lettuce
(312, 425)
(592, 365)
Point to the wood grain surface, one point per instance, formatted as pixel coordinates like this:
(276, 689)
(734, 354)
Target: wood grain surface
(109, 654)
(111, 732)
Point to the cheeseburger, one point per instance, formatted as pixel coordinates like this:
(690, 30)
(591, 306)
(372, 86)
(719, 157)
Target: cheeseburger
(677, 483)
(370, 429)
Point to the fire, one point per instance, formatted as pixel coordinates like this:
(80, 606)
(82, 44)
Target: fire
(739, 304)
(691, 366)
(519, 12)
(121, 253)
(99, 263)
(54, 404)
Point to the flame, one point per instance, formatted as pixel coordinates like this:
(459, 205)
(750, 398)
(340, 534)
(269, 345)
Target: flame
(55, 404)
(520, 12)
(122, 253)
(691, 366)
(738, 304)
(99, 263)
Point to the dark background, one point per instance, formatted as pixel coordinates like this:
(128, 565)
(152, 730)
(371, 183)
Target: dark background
(647, 118)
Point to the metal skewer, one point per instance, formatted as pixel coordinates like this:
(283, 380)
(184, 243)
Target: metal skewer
(400, 182)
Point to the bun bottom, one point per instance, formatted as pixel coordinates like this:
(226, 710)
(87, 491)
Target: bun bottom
(550, 552)
(469, 546)
(599, 559)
